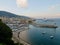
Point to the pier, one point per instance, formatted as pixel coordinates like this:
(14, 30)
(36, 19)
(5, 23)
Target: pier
(45, 25)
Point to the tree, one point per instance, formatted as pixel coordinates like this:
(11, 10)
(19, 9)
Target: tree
(5, 34)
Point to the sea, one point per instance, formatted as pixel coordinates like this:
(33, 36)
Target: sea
(45, 36)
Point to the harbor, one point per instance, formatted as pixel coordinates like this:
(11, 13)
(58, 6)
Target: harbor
(22, 30)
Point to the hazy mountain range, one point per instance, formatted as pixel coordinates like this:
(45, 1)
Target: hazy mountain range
(8, 14)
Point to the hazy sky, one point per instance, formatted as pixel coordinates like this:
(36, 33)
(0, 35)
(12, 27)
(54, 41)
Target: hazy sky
(32, 8)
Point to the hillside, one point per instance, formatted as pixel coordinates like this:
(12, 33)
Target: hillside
(8, 14)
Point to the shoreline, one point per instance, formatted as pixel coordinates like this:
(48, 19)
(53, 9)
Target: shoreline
(22, 37)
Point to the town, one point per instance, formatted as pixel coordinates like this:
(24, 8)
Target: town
(18, 25)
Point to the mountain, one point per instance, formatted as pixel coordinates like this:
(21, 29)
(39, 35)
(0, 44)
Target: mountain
(8, 14)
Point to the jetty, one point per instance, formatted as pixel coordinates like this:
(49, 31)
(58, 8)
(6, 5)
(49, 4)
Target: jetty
(48, 26)
(45, 25)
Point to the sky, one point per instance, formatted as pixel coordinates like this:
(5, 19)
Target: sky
(32, 8)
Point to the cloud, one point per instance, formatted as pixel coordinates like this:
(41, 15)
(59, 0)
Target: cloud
(54, 7)
(22, 3)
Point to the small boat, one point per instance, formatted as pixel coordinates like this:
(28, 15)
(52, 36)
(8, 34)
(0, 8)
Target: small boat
(43, 33)
(51, 37)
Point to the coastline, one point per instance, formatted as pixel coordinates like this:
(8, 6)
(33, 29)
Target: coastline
(22, 37)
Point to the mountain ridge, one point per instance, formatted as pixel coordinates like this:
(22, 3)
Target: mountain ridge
(9, 14)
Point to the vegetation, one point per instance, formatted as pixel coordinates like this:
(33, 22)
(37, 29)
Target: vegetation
(6, 35)
(30, 21)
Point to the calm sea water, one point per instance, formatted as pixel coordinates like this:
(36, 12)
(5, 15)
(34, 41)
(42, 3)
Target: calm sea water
(42, 36)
